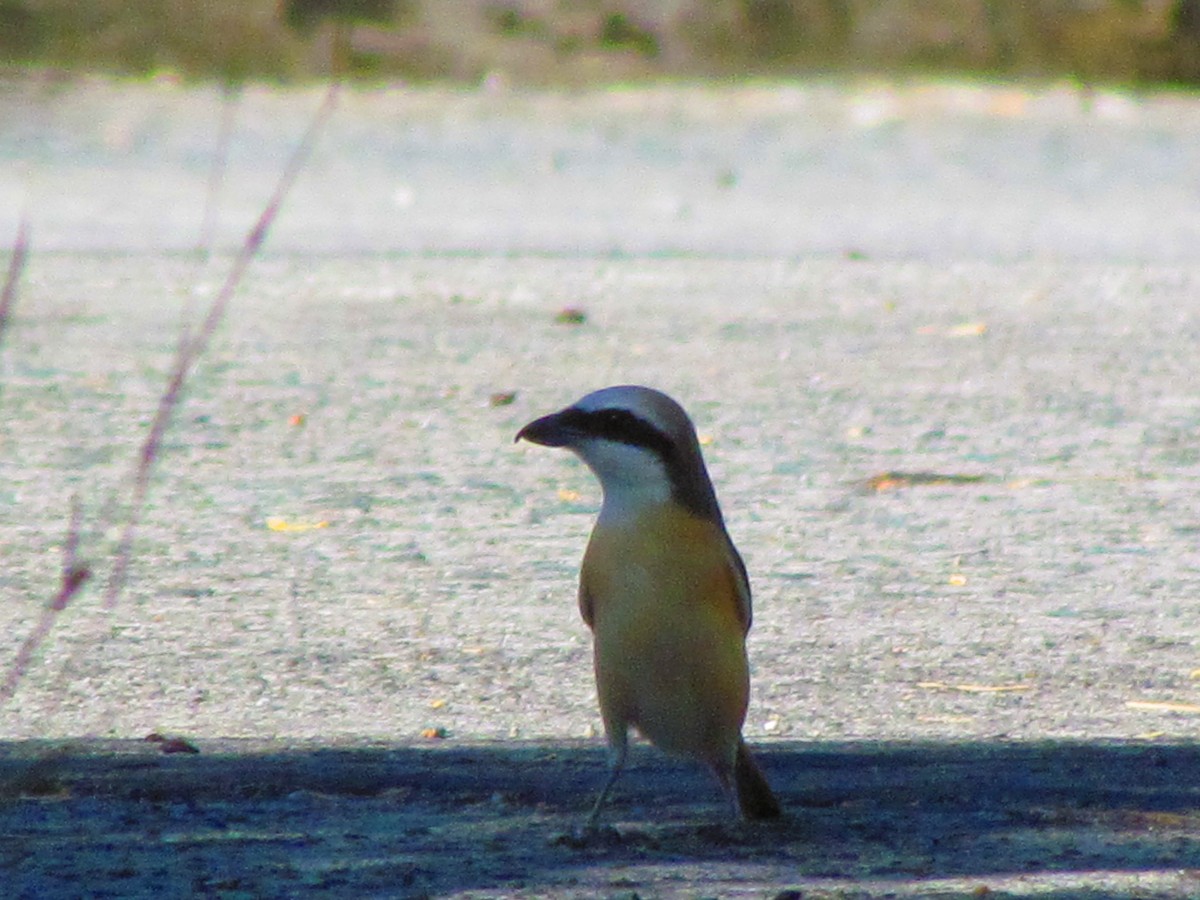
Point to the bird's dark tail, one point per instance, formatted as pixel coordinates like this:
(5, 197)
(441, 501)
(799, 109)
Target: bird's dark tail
(755, 798)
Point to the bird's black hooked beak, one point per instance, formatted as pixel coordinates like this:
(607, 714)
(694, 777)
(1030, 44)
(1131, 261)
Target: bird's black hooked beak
(554, 430)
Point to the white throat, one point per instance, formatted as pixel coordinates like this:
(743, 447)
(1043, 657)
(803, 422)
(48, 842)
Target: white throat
(633, 479)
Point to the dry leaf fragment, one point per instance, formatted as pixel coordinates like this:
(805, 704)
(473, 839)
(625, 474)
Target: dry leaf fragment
(570, 315)
(962, 329)
(1151, 818)
(178, 745)
(171, 744)
(1162, 706)
(894, 480)
(974, 688)
(967, 329)
(433, 733)
(567, 495)
(502, 398)
(278, 523)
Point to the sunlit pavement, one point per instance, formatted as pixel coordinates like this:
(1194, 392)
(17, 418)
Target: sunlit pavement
(939, 341)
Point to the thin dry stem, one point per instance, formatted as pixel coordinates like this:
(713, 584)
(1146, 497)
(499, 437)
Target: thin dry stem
(216, 173)
(16, 265)
(74, 575)
(192, 346)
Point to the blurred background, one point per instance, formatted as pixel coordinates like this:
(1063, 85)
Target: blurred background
(583, 41)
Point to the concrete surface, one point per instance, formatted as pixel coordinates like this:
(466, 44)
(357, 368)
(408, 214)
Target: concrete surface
(958, 686)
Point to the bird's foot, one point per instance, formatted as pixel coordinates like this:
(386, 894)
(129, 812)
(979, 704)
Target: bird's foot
(590, 836)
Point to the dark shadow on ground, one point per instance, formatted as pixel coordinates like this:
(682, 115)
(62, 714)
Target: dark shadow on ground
(267, 819)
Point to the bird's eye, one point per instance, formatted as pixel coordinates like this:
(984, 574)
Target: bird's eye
(626, 427)
(615, 422)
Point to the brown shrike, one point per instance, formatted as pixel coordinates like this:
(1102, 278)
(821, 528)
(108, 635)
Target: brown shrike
(663, 589)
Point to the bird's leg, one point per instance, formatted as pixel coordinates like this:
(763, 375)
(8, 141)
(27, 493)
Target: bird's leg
(618, 746)
(724, 776)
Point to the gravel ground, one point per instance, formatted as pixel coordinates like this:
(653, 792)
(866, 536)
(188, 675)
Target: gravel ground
(985, 683)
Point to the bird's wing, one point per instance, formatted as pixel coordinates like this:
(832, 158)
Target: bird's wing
(587, 607)
(741, 584)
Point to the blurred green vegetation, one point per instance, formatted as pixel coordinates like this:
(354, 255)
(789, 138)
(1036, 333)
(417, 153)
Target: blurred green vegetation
(581, 41)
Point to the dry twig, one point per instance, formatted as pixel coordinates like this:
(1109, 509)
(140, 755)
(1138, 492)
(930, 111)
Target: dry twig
(16, 265)
(74, 574)
(191, 346)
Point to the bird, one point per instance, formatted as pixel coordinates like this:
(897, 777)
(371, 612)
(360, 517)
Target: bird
(664, 591)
